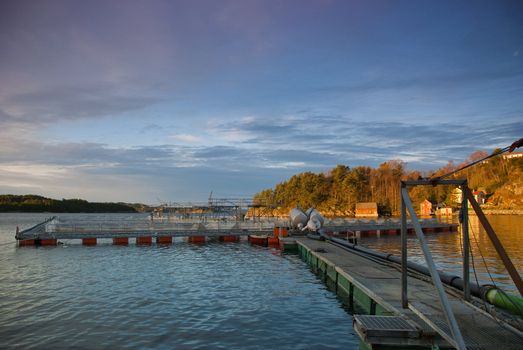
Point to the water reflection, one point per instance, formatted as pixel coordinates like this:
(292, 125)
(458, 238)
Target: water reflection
(447, 249)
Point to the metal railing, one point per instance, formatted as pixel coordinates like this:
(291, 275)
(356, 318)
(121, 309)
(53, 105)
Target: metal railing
(467, 197)
(124, 226)
(406, 204)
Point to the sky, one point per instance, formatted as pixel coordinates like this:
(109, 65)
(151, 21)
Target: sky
(166, 101)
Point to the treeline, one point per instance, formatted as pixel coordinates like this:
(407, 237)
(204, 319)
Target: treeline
(34, 203)
(337, 191)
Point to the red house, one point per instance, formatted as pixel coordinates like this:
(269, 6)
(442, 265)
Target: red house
(425, 208)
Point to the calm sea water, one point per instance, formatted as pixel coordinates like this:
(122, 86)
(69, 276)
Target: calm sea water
(447, 250)
(183, 296)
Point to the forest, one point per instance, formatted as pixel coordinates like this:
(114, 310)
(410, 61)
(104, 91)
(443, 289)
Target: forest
(336, 192)
(34, 203)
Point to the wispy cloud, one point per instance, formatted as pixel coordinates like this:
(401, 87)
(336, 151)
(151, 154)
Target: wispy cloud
(57, 103)
(186, 138)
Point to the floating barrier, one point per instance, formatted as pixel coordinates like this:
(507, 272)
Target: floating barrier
(164, 239)
(26, 242)
(147, 240)
(50, 241)
(280, 232)
(273, 241)
(197, 239)
(258, 240)
(89, 241)
(120, 240)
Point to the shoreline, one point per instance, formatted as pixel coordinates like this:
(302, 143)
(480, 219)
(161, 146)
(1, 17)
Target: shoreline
(500, 212)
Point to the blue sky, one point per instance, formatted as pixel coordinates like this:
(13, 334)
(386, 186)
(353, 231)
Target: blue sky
(140, 100)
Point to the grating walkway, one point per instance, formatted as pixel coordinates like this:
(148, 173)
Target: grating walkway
(382, 283)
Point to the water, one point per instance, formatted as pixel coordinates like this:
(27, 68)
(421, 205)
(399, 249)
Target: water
(216, 295)
(446, 250)
(184, 296)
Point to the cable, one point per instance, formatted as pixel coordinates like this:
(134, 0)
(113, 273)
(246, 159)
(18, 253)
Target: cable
(510, 148)
(506, 297)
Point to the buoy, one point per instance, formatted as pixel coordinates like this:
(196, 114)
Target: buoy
(164, 239)
(258, 240)
(229, 238)
(120, 240)
(147, 240)
(273, 241)
(26, 242)
(50, 241)
(89, 241)
(197, 239)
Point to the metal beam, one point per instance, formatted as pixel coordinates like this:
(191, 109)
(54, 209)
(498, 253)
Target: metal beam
(496, 242)
(457, 340)
(465, 236)
(404, 290)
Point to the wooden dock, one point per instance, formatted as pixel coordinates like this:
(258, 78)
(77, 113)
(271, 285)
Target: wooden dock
(376, 288)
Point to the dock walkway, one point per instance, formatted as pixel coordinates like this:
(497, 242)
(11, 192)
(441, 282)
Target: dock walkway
(377, 287)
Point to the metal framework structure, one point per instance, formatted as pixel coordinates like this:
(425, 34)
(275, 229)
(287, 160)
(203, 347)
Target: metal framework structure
(406, 204)
(214, 208)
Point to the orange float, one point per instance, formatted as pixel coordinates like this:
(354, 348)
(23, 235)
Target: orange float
(120, 240)
(164, 239)
(50, 241)
(26, 242)
(197, 239)
(273, 241)
(89, 241)
(229, 238)
(147, 240)
(258, 240)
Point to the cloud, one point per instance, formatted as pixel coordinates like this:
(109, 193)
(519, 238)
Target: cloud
(189, 171)
(186, 138)
(326, 141)
(151, 128)
(56, 103)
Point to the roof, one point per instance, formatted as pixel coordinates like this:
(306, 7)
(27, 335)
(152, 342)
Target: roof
(367, 205)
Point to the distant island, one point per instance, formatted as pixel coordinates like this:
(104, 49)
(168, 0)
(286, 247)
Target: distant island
(36, 204)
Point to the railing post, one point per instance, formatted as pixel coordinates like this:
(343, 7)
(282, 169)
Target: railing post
(457, 338)
(404, 291)
(466, 241)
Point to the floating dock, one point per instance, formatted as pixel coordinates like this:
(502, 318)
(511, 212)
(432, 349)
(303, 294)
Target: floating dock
(375, 287)
(144, 231)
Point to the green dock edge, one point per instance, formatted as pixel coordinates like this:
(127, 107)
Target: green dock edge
(357, 298)
(342, 283)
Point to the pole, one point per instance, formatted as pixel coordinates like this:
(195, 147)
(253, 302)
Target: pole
(457, 338)
(404, 291)
(496, 242)
(465, 235)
